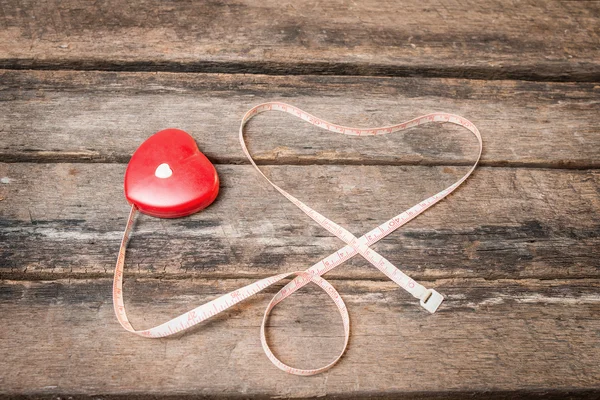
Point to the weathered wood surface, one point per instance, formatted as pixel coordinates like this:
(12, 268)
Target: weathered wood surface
(513, 336)
(78, 117)
(66, 220)
(515, 251)
(553, 40)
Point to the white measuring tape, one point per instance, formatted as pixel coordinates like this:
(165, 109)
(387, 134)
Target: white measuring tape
(429, 298)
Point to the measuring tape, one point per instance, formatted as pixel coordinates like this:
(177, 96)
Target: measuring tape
(429, 299)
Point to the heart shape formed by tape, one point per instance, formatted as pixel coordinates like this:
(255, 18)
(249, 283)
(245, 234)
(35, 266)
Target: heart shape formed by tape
(169, 177)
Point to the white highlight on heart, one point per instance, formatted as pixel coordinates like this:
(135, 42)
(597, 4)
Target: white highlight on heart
(163, 171)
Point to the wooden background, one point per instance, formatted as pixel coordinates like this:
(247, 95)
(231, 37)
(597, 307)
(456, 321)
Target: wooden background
(515, 250)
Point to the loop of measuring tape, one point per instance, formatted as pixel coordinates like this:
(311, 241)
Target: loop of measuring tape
(429, 299)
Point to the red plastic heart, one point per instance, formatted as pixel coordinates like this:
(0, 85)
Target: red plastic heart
(168, 176)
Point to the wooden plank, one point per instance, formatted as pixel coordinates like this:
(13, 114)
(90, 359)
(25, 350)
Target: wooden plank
(61, 338)
(554, 40)
(103, 117)
(67, 219)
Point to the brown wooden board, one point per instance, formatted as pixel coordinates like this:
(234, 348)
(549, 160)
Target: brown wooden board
(62, 338)
(491, 39)
(67, 220)
(104, 117)
(515, 251)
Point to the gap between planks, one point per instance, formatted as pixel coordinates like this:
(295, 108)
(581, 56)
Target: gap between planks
(47, 157)
(24, 276)
(523, 394)
(512, 72)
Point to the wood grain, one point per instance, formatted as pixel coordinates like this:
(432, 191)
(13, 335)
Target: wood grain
(66, 220)
(103, 117)
(516, 250)
(61, 338)
(491, 39)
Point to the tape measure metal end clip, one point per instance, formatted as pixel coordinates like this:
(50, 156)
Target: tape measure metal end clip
(431, 300)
